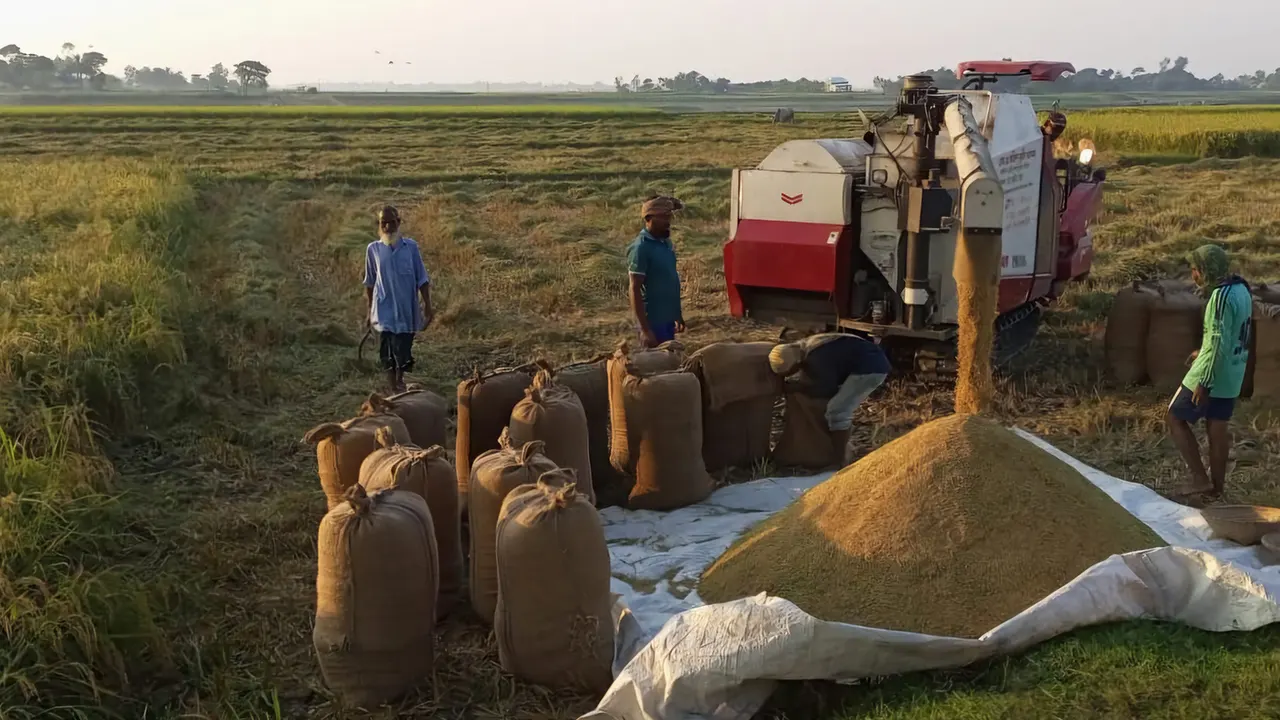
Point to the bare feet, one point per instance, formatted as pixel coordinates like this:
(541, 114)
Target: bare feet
(1196, 487)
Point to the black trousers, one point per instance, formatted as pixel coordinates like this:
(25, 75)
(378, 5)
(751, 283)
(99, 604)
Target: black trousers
(396, 351)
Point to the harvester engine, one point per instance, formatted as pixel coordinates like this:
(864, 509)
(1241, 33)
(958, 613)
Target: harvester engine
(860, 234)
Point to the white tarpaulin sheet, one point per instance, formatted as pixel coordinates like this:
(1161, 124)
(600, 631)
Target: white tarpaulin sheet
(721, 661)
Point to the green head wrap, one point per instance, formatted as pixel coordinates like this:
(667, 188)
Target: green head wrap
(1212, 262)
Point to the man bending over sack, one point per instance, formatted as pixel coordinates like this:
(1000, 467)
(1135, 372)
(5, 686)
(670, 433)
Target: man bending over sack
(1210, 388)
(842, 367)
(394, 279)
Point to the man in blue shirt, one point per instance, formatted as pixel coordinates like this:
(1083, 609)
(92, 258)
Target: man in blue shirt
(394, 278)
(655, 283)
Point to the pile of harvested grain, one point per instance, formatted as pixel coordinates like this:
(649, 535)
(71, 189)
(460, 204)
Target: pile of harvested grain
(977, 275)
(947, 543)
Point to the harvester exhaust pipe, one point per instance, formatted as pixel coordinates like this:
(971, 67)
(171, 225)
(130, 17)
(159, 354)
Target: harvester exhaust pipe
(928, 202)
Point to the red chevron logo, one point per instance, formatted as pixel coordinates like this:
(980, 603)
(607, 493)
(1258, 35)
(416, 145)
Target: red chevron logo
(792, 199)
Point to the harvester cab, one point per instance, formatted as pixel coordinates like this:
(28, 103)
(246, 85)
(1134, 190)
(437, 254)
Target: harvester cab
(860, 235)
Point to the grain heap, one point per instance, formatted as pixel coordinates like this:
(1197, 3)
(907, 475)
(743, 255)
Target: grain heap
(914, 539)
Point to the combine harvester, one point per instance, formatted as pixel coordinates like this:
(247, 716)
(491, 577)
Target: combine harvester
(861, 235)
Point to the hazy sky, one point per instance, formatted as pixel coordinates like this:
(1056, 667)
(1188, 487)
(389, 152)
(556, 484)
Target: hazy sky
(589, 40)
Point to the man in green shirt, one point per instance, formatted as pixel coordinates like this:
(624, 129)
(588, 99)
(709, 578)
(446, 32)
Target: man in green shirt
(1213, 383)
(654, 281)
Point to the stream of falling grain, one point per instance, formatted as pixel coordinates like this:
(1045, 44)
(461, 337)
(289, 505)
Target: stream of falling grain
(977, 274)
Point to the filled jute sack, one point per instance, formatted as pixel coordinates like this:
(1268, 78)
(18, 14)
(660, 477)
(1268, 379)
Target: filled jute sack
(665, 358)
(739, 391)
(428, 474)
(485, 403)
(376, 589)
(663, 417)
(1266, 293)
(554, 621)
(425, 414)
(1125, 341)
(806, 440)
(1266, 351)
(590, 382)
(553, 414)
(1177, 322)
(495, 474)
(341, 449)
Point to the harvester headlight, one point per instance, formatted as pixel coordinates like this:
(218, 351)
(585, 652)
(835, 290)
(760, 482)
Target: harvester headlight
(1087, 151)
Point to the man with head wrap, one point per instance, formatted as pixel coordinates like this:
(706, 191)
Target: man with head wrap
(655, 283)
(394, 279)
(841, 368)
(1213, 383)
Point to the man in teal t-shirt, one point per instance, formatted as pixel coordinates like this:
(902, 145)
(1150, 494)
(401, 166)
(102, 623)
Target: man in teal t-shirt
(1210, 388)
(654, 282)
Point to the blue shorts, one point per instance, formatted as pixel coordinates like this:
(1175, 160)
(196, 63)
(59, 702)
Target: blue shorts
(662, 332)
(1184, 407)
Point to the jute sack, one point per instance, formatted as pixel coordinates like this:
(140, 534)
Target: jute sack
(496, 473)
(1125, 341)
(806, 440)
(553, 414)
(425, 414)
(739, 391)
(664, 421)
(1266, 355)
(1177, 321)
(376, 590)
(731, 372)
(485, 403)
(428, 474)
(554, 620)
(1266, 293)
(342, 447)
(665, 358)
(590, 382)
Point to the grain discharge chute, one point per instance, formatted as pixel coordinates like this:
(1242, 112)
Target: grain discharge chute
(860, 235)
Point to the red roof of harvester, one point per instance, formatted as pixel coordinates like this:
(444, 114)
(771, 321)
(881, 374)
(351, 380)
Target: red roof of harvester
(1039, 70)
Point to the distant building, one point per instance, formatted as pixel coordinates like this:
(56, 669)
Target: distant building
(839, 84)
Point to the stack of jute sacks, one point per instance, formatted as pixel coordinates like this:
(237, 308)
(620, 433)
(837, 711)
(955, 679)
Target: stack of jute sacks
(390, 558)
(1153, 328)
(513, 519)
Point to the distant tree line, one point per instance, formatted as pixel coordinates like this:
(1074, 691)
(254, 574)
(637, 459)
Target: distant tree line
(695, 82)
(1171, 75)
(73, 70)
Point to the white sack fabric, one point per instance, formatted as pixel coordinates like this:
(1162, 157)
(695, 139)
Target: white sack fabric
(720, 662)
